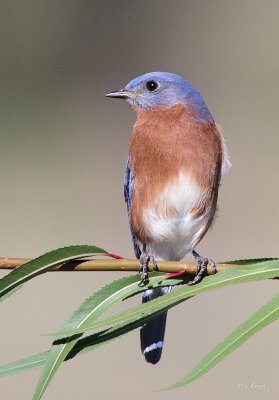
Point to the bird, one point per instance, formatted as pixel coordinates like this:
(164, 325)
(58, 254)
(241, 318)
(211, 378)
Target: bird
(177, 156)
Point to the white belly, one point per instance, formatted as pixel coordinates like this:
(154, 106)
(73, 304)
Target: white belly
(174, 236)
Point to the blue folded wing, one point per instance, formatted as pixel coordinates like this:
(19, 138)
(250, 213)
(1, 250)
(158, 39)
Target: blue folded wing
(128, 188)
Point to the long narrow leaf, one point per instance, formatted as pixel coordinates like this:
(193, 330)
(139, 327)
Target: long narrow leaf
(10, 293)
(267, 314)
(253, 272)
(94, 341)
(259, 320)
(88, 312)
(82, 346)
(25, 364)
(41, 264)
(249, 261)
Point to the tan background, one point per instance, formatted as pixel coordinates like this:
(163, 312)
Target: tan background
(62, 155)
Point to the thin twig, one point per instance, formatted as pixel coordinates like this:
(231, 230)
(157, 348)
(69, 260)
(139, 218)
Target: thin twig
(114, 265)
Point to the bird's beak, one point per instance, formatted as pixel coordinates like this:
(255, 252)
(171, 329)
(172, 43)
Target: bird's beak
(119, 94)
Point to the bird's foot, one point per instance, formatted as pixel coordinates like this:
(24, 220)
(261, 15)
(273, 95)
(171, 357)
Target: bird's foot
(144, 260)
(202, 263)
(143, 269)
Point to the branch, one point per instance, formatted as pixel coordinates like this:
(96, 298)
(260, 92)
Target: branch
(115, 265)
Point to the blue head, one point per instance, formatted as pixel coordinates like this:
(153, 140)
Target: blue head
(163, 89)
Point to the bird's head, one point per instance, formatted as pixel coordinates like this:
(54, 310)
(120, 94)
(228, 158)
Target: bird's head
(163, 89)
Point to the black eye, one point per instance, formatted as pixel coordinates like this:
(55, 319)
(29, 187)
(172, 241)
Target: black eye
(151, 86)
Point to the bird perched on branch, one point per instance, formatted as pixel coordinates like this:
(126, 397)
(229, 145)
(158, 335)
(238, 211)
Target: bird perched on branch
(177, 156)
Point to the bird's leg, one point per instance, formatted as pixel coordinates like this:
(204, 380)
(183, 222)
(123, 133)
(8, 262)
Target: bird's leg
(154, 263)
(202, 263)
(144, 260)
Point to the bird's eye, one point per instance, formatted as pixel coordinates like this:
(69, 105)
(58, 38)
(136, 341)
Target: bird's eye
(151, 86)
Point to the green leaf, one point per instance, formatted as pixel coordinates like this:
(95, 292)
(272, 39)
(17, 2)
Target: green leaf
(249, 261)
(88, 312)
(41, 264)
(82, 346)
(10, 293)
(91, 309)
(24, 364)
(260, 319)
(143, 312)
(124, 322)
(263, 317)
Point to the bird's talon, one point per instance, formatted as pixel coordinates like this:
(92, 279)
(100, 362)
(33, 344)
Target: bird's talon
(144, 259)
(202, 263)
(213, 266)
(144, 279)
(154, 263)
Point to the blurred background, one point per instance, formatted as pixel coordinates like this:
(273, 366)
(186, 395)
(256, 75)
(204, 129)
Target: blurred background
(63, 148)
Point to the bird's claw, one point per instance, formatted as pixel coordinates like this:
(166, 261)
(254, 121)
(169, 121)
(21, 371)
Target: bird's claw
(143, 270)
(202, 263)
(154, 263)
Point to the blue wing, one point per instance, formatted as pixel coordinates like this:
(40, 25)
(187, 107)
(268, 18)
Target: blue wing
(128, 188)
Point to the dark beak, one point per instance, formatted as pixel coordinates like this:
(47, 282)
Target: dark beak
(118, 94)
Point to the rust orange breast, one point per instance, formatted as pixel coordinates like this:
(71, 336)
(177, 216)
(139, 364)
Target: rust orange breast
(164, 143)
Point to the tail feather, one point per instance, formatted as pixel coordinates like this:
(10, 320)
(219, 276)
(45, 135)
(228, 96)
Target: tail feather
(152, 334)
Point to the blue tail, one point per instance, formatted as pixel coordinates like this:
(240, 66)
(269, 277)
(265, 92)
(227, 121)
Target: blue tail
(152, 334)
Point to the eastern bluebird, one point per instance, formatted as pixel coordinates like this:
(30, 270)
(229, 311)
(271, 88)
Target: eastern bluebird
(177, 156)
